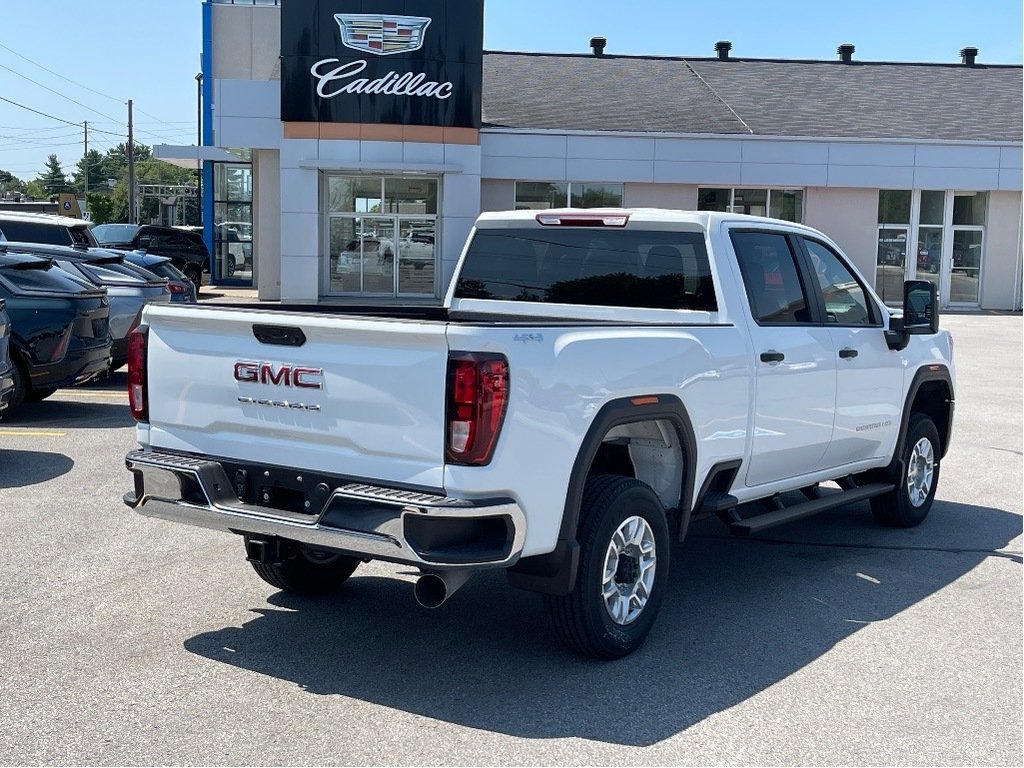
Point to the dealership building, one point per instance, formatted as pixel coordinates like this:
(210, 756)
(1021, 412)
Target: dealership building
(350, 144)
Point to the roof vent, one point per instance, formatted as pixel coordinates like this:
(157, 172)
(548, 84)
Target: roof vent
(968, 55)
(597, 44)
(722, 48)
(845, 52)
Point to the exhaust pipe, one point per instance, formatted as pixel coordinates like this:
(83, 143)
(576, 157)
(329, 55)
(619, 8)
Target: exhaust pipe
(433, 589)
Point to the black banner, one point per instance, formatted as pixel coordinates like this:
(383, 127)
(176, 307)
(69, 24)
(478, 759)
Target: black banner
(404, 62)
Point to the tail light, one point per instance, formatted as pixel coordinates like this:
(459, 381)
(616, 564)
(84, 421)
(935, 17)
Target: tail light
(138, 394)
(177, 288)
(477, 398)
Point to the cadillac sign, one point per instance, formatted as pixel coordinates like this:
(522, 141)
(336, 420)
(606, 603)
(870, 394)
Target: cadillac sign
(422, 69)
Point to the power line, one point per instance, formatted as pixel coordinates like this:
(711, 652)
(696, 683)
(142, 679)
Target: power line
(60, 75)
(58, 119)
(51, 90)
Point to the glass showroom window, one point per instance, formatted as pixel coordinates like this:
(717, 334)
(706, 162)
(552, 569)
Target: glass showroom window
(232, 221)
(786, 204)
(380, 235)
(541, 195)
(893, 237)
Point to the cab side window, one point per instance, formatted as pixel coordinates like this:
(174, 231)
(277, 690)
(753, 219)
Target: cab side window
(846, 302)
(774, 289)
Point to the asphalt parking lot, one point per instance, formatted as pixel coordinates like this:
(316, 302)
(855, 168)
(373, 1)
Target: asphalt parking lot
(126, 640)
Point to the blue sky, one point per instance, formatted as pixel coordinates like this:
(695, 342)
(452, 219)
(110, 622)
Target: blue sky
(100, 53)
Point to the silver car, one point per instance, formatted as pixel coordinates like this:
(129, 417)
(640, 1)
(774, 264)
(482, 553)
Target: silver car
(129, 288)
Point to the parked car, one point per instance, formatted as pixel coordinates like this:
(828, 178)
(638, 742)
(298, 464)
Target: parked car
(60, 326)
(129, 288)
(183, 290)
(185, 248)
(378, 251)
(6, 369)
(16, 226)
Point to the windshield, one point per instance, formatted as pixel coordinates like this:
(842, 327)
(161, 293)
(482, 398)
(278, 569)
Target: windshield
(115, 233)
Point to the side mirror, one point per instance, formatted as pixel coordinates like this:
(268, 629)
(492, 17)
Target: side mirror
(144, 243)
(920, 314)
(920, 307)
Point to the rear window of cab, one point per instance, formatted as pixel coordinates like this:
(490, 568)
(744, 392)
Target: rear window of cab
(589, 266)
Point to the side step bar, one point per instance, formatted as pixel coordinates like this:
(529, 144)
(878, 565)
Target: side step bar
(758, 523)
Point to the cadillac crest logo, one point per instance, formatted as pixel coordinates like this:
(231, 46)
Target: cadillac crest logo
(380, 34)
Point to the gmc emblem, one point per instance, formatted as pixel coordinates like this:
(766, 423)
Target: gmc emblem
(284, 376)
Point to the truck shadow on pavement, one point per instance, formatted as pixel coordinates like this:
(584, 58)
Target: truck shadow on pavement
(66, 414)
(740, 616)
(20, 469)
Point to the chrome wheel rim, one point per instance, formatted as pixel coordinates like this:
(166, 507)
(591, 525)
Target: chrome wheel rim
(920, 472)
(629, 566)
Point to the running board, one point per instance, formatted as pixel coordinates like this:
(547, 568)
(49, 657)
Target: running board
(758, 523)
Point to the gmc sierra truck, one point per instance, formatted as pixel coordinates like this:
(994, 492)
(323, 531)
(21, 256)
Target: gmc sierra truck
(594, 381)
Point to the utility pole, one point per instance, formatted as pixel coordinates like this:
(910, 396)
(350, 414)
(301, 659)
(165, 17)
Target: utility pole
(85, 164)
(131, 168)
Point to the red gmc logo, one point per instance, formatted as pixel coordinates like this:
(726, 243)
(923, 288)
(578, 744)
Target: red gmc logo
(283, 376)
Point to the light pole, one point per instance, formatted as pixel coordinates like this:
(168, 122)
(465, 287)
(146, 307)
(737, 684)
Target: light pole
(199, 143)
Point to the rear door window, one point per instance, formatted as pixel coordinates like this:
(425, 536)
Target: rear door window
(34, 232)
(589, 266)
(775, 291)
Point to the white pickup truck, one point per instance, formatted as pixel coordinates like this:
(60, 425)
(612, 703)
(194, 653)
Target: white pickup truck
(594, 381)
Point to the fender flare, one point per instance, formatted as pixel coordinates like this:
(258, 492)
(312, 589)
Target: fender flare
(555, 572)
(927, 373)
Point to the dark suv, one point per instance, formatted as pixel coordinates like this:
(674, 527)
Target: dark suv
(183, 247)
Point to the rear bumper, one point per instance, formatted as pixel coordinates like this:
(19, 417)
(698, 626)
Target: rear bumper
(78, 366)
(373, 522)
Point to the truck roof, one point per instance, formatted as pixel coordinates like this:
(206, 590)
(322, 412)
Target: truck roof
(703, 219)
(43, 218)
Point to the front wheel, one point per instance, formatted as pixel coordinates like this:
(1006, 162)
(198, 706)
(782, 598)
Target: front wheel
(306, 570)
(908, 504)
(623, 569)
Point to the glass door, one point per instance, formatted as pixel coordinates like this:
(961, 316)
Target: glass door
(891, 267)
(965, 266)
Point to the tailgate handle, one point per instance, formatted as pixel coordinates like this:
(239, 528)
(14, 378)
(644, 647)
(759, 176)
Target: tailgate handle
(281, 335)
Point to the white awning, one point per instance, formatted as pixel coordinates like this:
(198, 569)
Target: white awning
(191, 156)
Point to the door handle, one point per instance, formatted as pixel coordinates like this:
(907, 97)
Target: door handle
(847, 353)
(771, 356)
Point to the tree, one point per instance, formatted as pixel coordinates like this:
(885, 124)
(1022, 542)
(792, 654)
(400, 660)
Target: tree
(10, 183)
(97, 177)
(101, 208)
(34, 190)
(54, 179)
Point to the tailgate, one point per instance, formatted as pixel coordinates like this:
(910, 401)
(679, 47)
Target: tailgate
(378, 414)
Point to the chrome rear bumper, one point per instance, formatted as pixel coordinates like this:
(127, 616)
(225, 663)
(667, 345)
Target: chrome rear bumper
(374, 522)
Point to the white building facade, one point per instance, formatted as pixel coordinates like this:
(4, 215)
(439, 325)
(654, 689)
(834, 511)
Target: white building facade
(350, 210)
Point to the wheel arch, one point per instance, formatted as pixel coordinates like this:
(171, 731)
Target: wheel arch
(930, 393)
(555, 573)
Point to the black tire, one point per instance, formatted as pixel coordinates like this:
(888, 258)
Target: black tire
(897, 509)
(229, 267)
(307, 570)
(194, 273)
(22, 387)
(38, 394)
(582, 619)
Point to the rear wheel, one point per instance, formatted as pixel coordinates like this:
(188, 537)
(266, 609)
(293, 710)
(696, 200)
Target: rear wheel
(624, 559)
(22, 386)
(194, 273)
(909, 503)
(306, 570)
